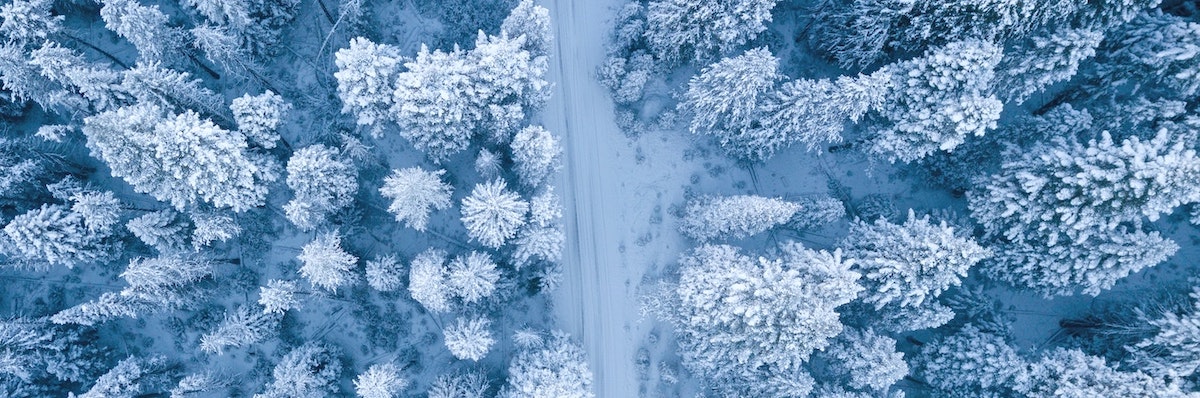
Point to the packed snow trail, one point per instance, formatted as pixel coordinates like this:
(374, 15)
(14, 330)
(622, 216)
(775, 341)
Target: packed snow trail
(596, 301)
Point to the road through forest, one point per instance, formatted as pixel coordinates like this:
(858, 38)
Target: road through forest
(596, 301)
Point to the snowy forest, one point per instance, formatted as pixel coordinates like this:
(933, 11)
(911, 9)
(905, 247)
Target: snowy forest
(599, 198)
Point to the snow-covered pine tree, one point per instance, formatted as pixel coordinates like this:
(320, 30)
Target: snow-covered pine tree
(366, 78)
(146, 27)
(25, 81)
(66, 68)
(309, 371)
(204, 382)
(27, 21)
(151, 83)
(247, 325)
(1043, 60)
(221, 47)
(908, 264)
(278, 296)
(460, 385)
(513, 81)
(536, 155)
(35, 349)
(488, 164)
(816, 212)
(1155, 51)
(748, 324)
(970, 361)
(324, 183)
(472, 277)
(164, 230)
(469, 339)
(542, 237)
(937, 101)
(325, 264)
(385, 273)
(381, 380)
(435, 102)
(260, 116)
(533, 22)
(182, 159)
(1073, 373)
(493, 214)
(556, 368)
(427, 280)
(734, 217)
(56, 235)
(1172, 348)
(726, 100)
(256, 24)
(678, 31)
(814, 112)
(212, 226)
(415, 193)
(134, 377)
(868, 361)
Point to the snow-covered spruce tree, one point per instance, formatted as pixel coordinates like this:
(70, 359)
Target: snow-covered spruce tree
(203, 382)
(56, 235)
(814, 112)
(488, 164)
(542, 237)
(36, 350)
(734, 217)
(278, 296)
(325, 264)
(493, 214)
(25, 21)
(222, 47)
(1154, 51)
(969, 361)
(381, 380)
(937, 101)
(182, 159)
(385, 273)
(260, 116)
(469, 339)
(323, 181)
(415, 193)
(366, 77)
(256, 24)
(533, 22)
(536, 155)
(1072, 373)
(816, 212)
(1041, 61)
(154, 285)
(726, 101)
(556, 368)
(134, 377)
(1066, 205)
(472, 277)
(513, 80)
(212, 226)
(151, 83)
(749, 324)
(144, 26)
(309, 371)
(461, 385)
(25, 81)
(908, 264)
(164, 230)
(678, 31)
(247, 325)
(868, 361)
(1172, 348)
(99, 86)
(427, 280)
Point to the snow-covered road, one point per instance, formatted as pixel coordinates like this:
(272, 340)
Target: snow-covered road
(596, 301)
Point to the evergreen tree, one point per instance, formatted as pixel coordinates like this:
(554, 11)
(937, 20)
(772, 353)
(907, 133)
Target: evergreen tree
(181, 159)
(749, 324)
(555, 368)
(532, 22)
(1172, 348)
(27, 21)
(1041, 61)
(937, 101)
(144, 26)
(366, 76)
(25, 81)
(463, 385)
(867, 360)
(34, 350)
(151, 83)
(472, 277)
(381, 380)
(278, 296)
(815, 112)
(133, 377)
(536, 155)
(734, 217)
(212, 227)
(247, 325)
(469, 339)
(198, 383)
(164, 230)
(678, 31)
(427, 280)
(726, 100)
(384, 273)
(970, 361)
(415, 193)
(542, 238)
(99, 86)
(1154, 52)
(323, 182)
(325, 264)
(260, 116)
(909, 264)
(56, 235)
(493, 214)
(222, 47)
(309, 371)
(1072, 373)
